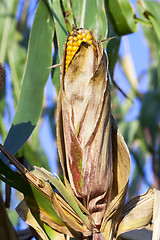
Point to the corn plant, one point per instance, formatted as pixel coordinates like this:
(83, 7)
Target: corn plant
(89, 200)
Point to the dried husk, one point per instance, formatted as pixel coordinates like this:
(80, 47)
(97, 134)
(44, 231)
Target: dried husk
(26, 215)
(121, 171)
(93, 154)
(141, 211)
(84, 129)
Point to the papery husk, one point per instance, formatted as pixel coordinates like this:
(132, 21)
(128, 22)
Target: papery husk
(30, 217)
(84, 129)
(156, 215)
(121, 171)
(140, 211)
(25, 213)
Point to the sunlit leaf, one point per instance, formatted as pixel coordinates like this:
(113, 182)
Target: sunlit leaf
(122, 15)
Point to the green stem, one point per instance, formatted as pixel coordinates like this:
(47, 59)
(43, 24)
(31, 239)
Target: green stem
(143, 21)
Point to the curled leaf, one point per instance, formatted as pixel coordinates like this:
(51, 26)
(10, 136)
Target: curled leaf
(137, 213)
(26, 215)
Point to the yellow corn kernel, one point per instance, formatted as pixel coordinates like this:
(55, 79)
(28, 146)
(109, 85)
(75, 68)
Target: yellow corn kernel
(84, 40)
(70, 37)
(88, 36)
(75, 39)
(73, 53)
(75, 48)
(69, 53)
(69, 48)
(90, 42)
(68, 57)
(67, 62)
(79, 36)
(70, 42)
(79, 31)
(83, 35)
(75, 43)
(79, 42)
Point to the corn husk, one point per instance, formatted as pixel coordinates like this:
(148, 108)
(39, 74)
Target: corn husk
(140, 212)
(92, 151)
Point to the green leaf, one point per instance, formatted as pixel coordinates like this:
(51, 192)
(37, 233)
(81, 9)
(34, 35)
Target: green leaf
(129, 130)
(153, 15)
(61, 35)
(153, 8)
(91, 14)
(35, 156)
(61, 30)
(78, 8)
(9, 176)
(56, 71)
(66, 6)
(150, 115)
(112, 51)
(16, 59)
(151, 11)
(122, 16)
(7, 26)
(34, 79)
(95, 17)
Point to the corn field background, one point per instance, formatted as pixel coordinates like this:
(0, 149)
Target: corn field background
(29, 91)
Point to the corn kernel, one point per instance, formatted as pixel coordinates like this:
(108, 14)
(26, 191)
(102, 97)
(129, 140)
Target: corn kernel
(90, 42)
(79, 36)
(70, 38)
(67, 61)
(79, 31)
(70, 42)
(69, 53)
(75, 48)
(75, 43)
(79, 42)
(83, 35)
(88, 36)
(88, 32)
(69, 48)
(68, 57)
(84, 40)
(75, 39)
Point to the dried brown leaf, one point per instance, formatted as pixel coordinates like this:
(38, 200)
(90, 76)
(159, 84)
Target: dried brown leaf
(156, 215)
(121, 171)
(137, 213)
(26, 215)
